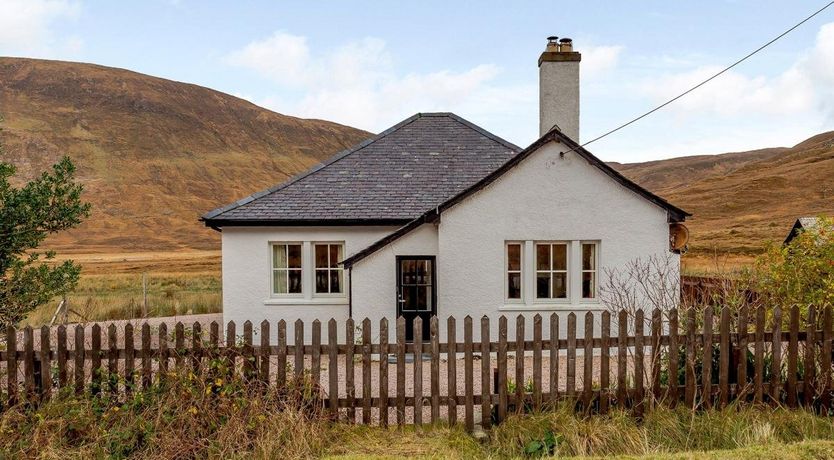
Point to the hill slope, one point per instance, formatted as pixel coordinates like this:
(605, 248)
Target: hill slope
(153, 154)
(739, 200)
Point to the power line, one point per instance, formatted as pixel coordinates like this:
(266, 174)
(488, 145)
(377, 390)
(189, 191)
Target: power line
(713, 77)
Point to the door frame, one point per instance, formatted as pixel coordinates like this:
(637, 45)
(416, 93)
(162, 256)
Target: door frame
(397, 282)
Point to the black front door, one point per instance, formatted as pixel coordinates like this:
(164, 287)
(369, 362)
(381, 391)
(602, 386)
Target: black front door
(416, 294)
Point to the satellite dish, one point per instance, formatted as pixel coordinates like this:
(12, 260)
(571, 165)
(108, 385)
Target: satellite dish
(678, 237)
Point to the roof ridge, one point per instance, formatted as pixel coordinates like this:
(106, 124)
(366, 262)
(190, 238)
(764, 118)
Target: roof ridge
(344, 153)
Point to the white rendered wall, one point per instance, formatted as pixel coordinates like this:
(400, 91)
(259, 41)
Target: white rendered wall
(247, 271)
(545, 197)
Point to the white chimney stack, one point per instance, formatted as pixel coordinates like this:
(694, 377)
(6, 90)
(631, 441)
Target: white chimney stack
(559, 88)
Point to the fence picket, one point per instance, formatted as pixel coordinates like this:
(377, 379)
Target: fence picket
(146, 356)
(247, 352)
(62, 356)
(622, 357)
(656, 354)
(315, 359)
(179, 345)
(401, 371)
(11, 365)
(691, 384)
(758, 357)
(383, 372)
(776, 369)
(333, 367)
(570, 389)
(214, 341)
(519, 363)
(554, 359)
(724, 359)
(29, 363)
(129, 359)
(793, 356)
(588, 361)
(95, 370)
(281, 364)
(486, 367)
(605, 363)
(417, 349)
(451, 374)
(825, 360)
(639, 363)
(350, 388)
(78, 358)
(469, 400)
(435, 369)
(706, 357)
(263, 367)
(46, 365)
(741, 373)
(674, 359)
(231, 341)
(537, 362)
(196, 347)
(366, 371)
(809, 381)
(502, 368)
(112, 360)
(298, 365)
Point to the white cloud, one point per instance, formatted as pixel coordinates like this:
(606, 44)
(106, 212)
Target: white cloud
(27, 28)
(357, 83)
(596, 60)
(804, 87)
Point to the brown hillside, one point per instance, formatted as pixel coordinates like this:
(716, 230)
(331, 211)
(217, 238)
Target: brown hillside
(153, 154)
(740, 200)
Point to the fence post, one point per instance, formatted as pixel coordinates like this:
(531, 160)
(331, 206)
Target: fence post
(502, 368)
(706, 359)
(724, 359)
(605, 363)
(383, 372)
(554, 359)
(588, 362)
(758, 357)
(46, 365)
(468, 374)
(435, 369)
(451, 360)
(486, 393)
(674, 358)
(366, 371)
(417, 350)
(776, 369)
(809, 381)
(333, 354)
(622, 358)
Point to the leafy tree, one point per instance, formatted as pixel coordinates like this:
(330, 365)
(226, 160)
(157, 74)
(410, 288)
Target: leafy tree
(801, 272)
(49, 204)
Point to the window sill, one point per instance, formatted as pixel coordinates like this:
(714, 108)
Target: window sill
(303, 301)
(552, 307)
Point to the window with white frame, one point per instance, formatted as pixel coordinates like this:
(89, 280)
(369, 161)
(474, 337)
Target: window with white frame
(551, 271)
(329, 275)
(286, 269)
(514, 269)
(589, 270)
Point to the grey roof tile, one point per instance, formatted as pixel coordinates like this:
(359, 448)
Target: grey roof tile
(398, 175)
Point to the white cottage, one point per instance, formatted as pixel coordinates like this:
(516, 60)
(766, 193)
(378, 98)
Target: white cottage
(436, 216)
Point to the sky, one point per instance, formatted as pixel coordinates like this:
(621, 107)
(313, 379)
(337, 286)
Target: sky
(370, 64)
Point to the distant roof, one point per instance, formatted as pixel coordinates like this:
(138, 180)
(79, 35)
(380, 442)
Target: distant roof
(802, 223)
(674, 213)
(391, 178)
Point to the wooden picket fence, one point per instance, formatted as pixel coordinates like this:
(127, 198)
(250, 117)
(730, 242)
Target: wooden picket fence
(648, 361)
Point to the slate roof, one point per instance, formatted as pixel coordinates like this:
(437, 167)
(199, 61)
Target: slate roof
(392, 178)
(802, 223)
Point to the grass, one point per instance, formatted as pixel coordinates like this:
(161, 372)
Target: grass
(212, 415)
(101, 297)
